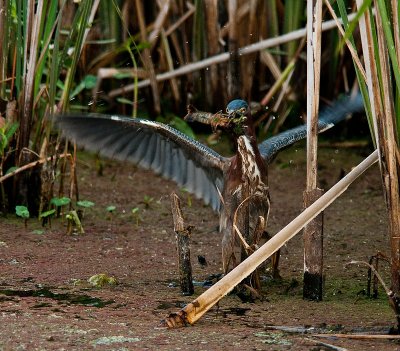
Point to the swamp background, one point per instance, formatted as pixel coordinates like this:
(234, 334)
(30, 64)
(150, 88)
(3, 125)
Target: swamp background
(53, 60)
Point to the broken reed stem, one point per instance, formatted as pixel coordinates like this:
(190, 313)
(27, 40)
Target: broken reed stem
(194, 310)
(249, 49)
(32, 164)
(183, 246)
(185, 16)
(159, 22)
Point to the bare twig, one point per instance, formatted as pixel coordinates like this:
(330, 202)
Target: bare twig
(30, 165)
(394, 300)
(173, 27)
(387, 290)
(159, 22)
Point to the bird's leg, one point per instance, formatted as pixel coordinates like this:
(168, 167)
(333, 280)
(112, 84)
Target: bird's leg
(228, 257)
(245, 214)
(228, 249)
(275, 264)
(258, 232)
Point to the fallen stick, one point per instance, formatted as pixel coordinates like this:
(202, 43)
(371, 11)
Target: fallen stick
(194, 310)
(358, 336)
(329, 346)
(291, 329)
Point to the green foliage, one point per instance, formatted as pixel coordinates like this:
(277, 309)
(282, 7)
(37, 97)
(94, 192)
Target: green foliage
(22, 211)
(178, 123)
(11, 169)
(361, 82)
(125, 101)
(136, 215)
(6, 133)
(88, 83)
(40, 50)
(59, 202)
(111, 208)
(354, 23)
(74, 222)
(189, 196)
(48, 213)
(147, 200)
(293, 19)
(85, 203)
(389, 34)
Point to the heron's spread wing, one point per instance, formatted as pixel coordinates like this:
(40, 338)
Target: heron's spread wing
(151, 145)
(329, 117)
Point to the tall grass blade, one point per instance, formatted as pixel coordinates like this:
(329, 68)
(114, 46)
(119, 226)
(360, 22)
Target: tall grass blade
(387, 29)
(361, 81)
(294, 15)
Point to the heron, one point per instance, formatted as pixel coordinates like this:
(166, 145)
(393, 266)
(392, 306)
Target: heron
(235, 186)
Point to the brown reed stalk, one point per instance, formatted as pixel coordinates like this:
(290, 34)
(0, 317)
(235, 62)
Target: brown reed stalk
(313, 232)
(233, 62)
(250, 36)
(146, 58)
(213, 48)
(381, 97)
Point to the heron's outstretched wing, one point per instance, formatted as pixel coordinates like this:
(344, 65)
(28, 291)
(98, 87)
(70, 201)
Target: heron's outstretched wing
(329, 117)
(151, 145)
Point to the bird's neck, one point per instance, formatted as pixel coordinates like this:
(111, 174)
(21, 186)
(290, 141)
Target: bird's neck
(248, 156)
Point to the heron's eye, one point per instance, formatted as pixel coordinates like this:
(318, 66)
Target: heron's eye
(242, 110)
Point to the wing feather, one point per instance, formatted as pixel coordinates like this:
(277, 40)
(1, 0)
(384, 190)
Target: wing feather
(329, 117)
(153, 146)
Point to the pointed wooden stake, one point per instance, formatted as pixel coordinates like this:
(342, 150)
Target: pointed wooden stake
(313, 250)
(183, 246)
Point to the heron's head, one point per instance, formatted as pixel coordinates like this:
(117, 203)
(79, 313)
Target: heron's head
(237, 108)
(236, 119)
(238, 113)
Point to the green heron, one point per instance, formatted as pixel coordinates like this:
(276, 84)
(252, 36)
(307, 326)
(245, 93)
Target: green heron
(235, 186)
